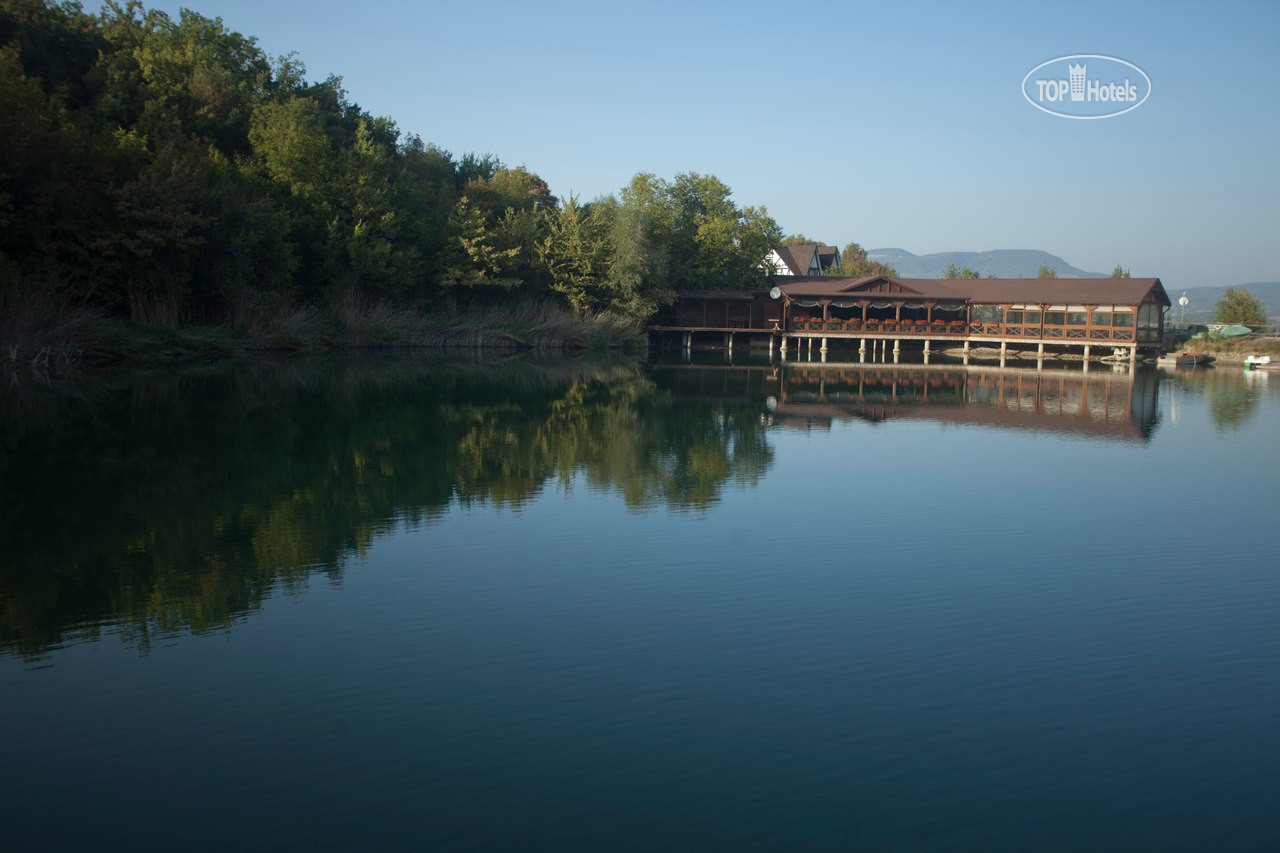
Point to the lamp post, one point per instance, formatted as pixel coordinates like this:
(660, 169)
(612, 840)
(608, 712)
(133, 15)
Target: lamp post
(1182, 308)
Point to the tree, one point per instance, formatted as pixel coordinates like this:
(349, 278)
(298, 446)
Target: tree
(855, 263)
(479, 262)
(954, 271)
(1120, 272)
(575, 253)
(640, 234)
(797, 240)
(1047, 271)
(1240, 306)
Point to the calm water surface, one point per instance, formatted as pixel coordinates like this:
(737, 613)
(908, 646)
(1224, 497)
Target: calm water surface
(388, 603)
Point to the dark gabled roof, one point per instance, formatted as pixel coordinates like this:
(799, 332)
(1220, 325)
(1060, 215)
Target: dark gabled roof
(1048, 291)
(799, 257)
(872, 285)
(1055, 291)
(789, 260)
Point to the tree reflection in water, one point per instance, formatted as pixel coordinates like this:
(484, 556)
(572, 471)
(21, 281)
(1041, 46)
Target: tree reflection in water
(178, 502)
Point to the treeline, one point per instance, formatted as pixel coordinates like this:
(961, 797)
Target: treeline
(171, 171)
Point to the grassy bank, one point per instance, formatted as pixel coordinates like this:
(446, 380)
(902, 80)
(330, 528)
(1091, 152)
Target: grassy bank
(40, 334)
(1231, 349)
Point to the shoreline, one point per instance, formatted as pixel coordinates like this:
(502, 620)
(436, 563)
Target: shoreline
(70, 340)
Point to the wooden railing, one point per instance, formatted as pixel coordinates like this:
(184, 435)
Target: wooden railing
(920, 327)
(905, 327)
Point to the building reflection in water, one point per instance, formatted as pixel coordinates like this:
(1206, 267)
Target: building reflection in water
(1107, 404)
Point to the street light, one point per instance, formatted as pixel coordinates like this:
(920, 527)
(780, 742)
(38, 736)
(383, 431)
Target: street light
(1182, 308)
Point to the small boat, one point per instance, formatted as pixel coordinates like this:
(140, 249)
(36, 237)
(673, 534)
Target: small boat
(1257, 362)
(1184, 359)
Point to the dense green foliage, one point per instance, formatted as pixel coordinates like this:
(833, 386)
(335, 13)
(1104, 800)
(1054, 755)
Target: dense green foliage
(170, 171)
(1240, 306)
(855, 263)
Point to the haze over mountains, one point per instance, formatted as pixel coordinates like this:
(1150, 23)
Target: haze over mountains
(1201, 301)
(1001, 263)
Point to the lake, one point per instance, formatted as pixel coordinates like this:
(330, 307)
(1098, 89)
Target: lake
(406, 603)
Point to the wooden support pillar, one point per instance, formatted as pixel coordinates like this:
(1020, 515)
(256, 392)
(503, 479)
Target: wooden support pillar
(823, 350)
(784, 348)
(728, 342)
(687, 340)
(1004, 347)
(862, 350)
(897, 347)
(771, 347)
(1086, 356)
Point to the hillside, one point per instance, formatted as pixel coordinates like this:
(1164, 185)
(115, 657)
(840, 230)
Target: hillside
(1001, 263)
(1202, 300)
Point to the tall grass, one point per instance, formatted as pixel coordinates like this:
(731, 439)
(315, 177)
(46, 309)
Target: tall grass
(351, 321)
(38, 331)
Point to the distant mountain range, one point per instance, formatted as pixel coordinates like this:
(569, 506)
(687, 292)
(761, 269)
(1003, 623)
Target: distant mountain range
(1001, 263)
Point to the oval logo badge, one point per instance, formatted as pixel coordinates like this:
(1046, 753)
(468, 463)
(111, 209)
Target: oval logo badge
(1086, 85)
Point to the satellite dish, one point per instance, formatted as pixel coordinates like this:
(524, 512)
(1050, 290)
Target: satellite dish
(775, 293)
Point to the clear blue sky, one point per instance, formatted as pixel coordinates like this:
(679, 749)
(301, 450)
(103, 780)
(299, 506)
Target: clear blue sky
(896, 124)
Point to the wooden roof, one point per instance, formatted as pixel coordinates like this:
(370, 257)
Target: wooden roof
(1031, 291)
(799, 257)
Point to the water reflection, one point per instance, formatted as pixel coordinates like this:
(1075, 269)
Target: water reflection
(1105, 404)
(1232, 395)
(178, 502)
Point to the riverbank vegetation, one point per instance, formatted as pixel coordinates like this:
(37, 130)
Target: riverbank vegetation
(167, 186)
(1232, 349)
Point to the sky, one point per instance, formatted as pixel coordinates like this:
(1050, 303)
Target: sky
(889, 124)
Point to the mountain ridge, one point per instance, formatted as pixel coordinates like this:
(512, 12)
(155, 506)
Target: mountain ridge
(1001, 263)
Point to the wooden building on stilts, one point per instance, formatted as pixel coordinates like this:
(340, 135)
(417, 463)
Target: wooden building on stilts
(1117, 317)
